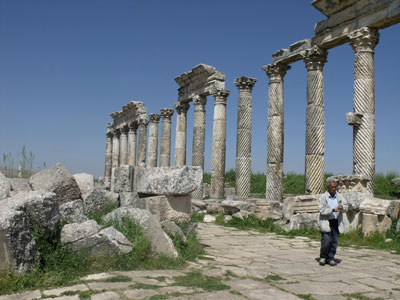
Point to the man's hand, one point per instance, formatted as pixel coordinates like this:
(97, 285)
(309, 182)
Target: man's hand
(338, 209)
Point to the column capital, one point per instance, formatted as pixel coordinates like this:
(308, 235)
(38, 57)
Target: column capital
(245, 83)
(166, 113)
(181, 107)
(124, 130)
(143, 123)
(154, 118)
(315, 58)
(116, 132)
(109, 132)
(276, 71)
(221, 96)
(199, 102)
(133, 126)
(364, 39)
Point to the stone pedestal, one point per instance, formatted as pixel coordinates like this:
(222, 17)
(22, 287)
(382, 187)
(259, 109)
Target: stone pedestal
(132, 143)
(165, 148)
(219, 145)
(108, 162)
(363, 42)
(123, 151)
(243, 141)
(153, 140)
(181, 128)
(314, 60)
(274, 184)
(199, 133)
(142, 142)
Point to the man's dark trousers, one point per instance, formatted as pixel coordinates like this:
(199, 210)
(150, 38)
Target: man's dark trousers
(329, 241)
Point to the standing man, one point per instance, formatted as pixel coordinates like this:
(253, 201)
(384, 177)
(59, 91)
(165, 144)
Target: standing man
(331, 207)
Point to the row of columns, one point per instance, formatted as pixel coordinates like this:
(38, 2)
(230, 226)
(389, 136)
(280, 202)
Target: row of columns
(363, 42)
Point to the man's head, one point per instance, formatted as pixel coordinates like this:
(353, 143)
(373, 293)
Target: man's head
(332, 188)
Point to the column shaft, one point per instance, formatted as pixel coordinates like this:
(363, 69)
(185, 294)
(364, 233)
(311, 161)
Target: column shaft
(363, 42)
(219, 146)
(315, 59)
(180, 138)
(165, 148)
(243, 140)
(115, 149)
(123, 146)
(132, 140)
(199, 133)
(274, 184)
(108, 162)
(142, 143)
(153, 141)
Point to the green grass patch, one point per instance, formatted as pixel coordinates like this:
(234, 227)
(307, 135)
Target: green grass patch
(166, 296)
(305, 296)
(145, 286)
(197, 279)
(98, 215)
(274, 277)
(197, 217)
(119, 278)
(359, 296)
(161, 278)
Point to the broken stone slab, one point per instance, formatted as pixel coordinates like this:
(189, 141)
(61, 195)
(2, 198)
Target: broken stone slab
(396, 180)
(303, 221)
(351, 221)
(189, 227)
(19, 184)
(131, 199)
(199, 203)
(209, 219)
(74, 232)
(377, 206)
(354, 199)
(73, 212)
(268, 210)
(350, 183)
(161, 243)
(372, 223)
(227, 218)
(173, 230)
(123, 178)
(85, 182)
(168, 180)
(58, 180)
(97, 200)
(111, 196)
(214, 207)
(170, 208)
(5, 187)
(233, 206)
(241, 215)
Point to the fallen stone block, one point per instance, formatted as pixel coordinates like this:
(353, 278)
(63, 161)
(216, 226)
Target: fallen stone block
(168, 180)
(199, 203)
(241, 215)
(351, 221)
(372, 223)
(189, 227)
(131, 199)
(209, 219)
(85, 182)
(173, 230)
(214, 207)
(350, 183)
(73, 212)
(19, 184)
(58, 180)
(169, 208)
(377, 206)
(303, 221)
(5, 187)
(74, 232)
(268, 210)
(161, 243)
(354, 199)
(123, 179)
(97, 200)
(233, 206)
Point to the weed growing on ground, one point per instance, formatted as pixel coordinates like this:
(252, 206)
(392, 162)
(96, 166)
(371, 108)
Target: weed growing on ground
(119, 278)
(305, 296)
(197, 279)
(274, 277)
(98, 215)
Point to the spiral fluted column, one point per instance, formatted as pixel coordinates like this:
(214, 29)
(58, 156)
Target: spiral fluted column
(142, 142)
(219, 145)
(363, 42)
(153, 140)
(108, 162)
(180, 138)
(199, 133)
(243, 141)
(123, 150)
(274, 185)
(165, 148)
(132, 140)
(314, 60)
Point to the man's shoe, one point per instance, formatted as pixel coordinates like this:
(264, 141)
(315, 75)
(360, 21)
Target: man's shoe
(332, 263)
(322, 261)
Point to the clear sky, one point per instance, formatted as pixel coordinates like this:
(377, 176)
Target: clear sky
(65, 65)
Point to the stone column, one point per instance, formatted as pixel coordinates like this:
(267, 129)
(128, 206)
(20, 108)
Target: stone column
(115, 148)
(314, 60)
(363, 42)
(165, 148)
(132, 143)
(142, 142)
(274, 185)
(180, 138)
(199, 133)
(219, 145)
(153, 140)
(243, 140)
(123, 150)
(108, 162)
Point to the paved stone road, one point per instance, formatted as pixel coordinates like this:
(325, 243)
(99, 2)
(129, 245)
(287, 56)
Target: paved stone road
(256, 266)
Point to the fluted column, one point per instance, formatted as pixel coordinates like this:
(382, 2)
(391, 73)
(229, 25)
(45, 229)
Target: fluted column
(153, 140)
(142, 142)
(243, 140)
(181, 128)
(219, 145)
(115, 148)
(363, 42)
(123, 150)
(165, 148)
(199, 133)
(274, 184)
(314, 60)
(132, 140)
(108, 162)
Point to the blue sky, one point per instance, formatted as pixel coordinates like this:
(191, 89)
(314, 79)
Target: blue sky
(65, 65)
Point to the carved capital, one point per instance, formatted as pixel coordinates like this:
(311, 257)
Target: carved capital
(364, 39)
(154, 118)
(166, 113)
(109, 132)
(181, 107)
(143, 123)
(133, 126)
(315, 58)
(245, 83)
(124, 130)
(199, 101)
(117, 132)
(276, 72)
(221, 96)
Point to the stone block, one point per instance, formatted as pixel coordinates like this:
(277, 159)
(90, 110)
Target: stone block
(369, 223)
(303, 221)
(229, 193)
(58, 180)
(131, 199)
(354, 199)
(95, 201)
(233, 206)
(169, 208)
(172, 229)
(350, 183)
(85, 182)
(123, 178)
(206, 190)
(209, 219)
(288, 207)
(168, 180)
(199, 203)
(5, 186)
(268, 210)
(377, 206)
(19, 184)
(396, 180)
(73, 212)
(351, 221)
